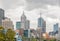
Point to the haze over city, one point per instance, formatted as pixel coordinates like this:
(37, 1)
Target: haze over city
(50, 10)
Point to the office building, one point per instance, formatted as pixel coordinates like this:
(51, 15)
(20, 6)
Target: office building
(25, 24)
(7, 23)
(1, 16)
(58, 35)
(56, 26)
(42, 24)
(18, 25)
(23, 21)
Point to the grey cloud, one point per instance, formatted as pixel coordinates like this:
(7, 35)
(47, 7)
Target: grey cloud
(30, 4)
(53, 14)
(41, 3)
(7, 4)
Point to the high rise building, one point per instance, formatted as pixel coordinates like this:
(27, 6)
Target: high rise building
(1, 16)
(39, 33)
(18, 25)
(23, 21)
(25, 24)
(58, 35)
(42, 24)
(56, 26)
(7, 24)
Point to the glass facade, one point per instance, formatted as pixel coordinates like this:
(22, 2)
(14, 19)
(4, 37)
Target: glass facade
(26, 33)
(42, 24)
(18, 25)
(56, 27)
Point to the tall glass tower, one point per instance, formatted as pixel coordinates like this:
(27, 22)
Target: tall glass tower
(18, 25)
(56, 26)
(42, 24)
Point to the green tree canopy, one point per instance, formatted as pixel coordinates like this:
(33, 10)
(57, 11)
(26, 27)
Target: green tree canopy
(2, 35)
(10, 35)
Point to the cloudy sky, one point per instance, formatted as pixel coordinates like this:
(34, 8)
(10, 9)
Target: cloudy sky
(50, 10)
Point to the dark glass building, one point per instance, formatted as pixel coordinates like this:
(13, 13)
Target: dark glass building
(18, 25)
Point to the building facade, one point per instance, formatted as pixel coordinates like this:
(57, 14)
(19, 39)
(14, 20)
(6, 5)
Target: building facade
(56, 26)
(18, 25)
(18, 37)
(7, 24)
(1, 16)
(42, 24)
(25, 24)
(58, 35)
(23, 21)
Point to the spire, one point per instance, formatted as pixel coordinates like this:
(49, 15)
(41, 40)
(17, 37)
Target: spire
(40, 14)
(23, 12)
(23, 15)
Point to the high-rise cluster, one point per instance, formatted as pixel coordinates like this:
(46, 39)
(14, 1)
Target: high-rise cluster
(4, 21)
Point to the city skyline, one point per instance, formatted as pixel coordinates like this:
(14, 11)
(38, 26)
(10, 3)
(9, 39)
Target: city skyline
(50, 10)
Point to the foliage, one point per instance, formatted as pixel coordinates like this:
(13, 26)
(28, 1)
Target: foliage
(23, 38)
(8, 36)
(53, 40)
(2, 35)
(33, 39)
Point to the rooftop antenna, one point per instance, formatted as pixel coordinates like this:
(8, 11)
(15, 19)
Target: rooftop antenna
(40, 14)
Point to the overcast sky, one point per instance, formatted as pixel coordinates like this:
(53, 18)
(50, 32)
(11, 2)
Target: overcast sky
(50, 10)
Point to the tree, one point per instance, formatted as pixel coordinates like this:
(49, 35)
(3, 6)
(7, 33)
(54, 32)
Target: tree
(2, 35)
(10, 34)
(33, 39)
(23, 38)
(1, 28)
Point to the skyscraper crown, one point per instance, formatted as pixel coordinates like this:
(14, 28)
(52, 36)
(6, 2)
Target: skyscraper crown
(23, 15)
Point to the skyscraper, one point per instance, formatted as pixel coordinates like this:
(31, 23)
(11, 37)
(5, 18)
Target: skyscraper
(56, 26)
(1, 16)
(23, 21)
(18, 25)
(7, 24)
(42, 24)
(25, 24)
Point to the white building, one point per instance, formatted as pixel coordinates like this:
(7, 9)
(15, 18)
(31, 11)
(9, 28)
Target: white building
(7, 23)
